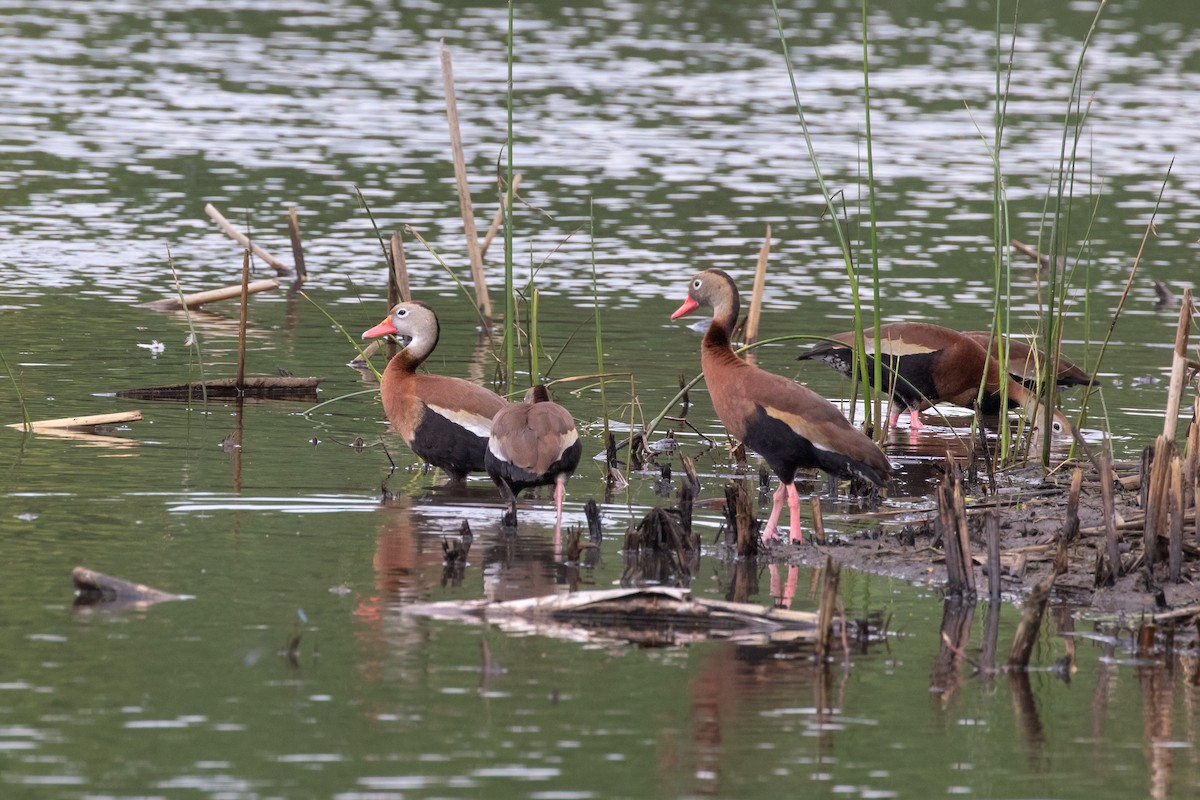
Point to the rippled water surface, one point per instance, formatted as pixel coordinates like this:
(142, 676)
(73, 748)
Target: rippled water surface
(653, 139)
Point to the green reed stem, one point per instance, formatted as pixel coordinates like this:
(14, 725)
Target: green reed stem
(353, 342)
(1073, 122)
(872, 209)
(510, 333)
(378, 234)
(843, 241)
(187, 312)
(20, 397)
(596, 317)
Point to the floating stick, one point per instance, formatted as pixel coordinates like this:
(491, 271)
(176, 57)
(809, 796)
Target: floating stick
(211, 296)
(80, 422)
(244, 240)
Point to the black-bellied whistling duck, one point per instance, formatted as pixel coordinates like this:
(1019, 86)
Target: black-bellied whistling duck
(533, 443)
(1025, 363)
(933, 365)
(445, 420)
(789, 425)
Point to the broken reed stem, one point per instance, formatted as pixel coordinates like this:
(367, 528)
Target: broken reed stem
(399, 275)
(1032, 611)
(1175, 513)
(1071, 526)
(991, 530)
(1110, 514)
(829, 592)
(1156, 497)
(397, 282)
(482, 301)
(818, 520)
(952, 517)
(739, 513)
(241, 359)
(1178, 366)
(498, 220)
(760, 280)
(244, 240)
(297, 245)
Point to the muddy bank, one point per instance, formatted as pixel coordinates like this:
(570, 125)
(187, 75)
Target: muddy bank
(1032, 517)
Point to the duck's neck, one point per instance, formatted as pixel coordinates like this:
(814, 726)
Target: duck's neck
(415, 352)
(718, 340)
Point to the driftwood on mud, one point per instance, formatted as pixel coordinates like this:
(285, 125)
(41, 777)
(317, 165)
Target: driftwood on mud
(93, 588)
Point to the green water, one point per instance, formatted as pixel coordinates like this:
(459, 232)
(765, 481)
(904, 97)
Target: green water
(673, 126)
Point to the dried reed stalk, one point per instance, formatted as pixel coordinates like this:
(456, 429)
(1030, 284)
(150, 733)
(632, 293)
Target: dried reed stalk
(241, 354)
(297, 245)
(760, 280)
(1110, 516)
(829, 593)
(818, 520)
(482, 301)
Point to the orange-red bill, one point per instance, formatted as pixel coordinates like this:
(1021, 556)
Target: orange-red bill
(688, 307)
(382, 329)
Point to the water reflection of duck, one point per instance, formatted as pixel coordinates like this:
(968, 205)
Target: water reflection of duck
(935, 365)
(789, 425)
(533, 443)
(445, 420)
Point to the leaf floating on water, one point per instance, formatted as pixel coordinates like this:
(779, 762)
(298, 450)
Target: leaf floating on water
(190, 341)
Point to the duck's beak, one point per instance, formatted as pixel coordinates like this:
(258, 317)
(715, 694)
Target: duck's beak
(382, 329)
(688, 307)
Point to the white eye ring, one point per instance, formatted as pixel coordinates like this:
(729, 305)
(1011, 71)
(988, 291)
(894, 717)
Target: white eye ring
(1057, 426)
(402, 312)
(696, 283)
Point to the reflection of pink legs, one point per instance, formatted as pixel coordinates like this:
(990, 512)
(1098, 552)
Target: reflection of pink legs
(770, 533)
(783, 599)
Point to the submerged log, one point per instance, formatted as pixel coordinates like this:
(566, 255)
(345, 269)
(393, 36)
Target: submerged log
(649, 615)
(264, 387)
(92, 588)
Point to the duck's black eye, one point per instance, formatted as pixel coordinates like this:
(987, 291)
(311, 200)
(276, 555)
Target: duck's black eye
(402, 312)
(1058, 428)
(696, 283)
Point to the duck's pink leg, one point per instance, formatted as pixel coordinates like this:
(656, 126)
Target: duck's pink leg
(560, 490)
(770, 533)
(914, 420)
(894, 418)
(793, 500)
